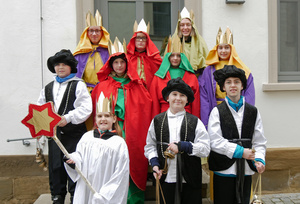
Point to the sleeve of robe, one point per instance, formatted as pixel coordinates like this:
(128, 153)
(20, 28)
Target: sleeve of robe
(115, 172)
(249, 92)
(155, 96)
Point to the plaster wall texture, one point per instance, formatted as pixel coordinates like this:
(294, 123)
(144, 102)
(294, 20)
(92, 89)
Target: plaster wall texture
(27, 42)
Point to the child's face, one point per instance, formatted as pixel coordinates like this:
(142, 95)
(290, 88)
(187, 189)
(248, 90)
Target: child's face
(105, 120)
(119, 66)
(62, 70)
(140, 42)
(177, 101)
(185, 27)
(233, 87)
(94, 33)
(175, 59)
(224, 51)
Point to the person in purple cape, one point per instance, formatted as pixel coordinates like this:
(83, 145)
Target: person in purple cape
(91, 51)
(223, 53)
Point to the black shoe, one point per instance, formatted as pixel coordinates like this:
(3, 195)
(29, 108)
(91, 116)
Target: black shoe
(58, 199)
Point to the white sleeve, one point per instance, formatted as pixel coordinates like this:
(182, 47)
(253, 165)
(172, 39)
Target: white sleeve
(217, 142)
(82, 104)
(77, 158)
(201, 145)
(150, 148)
(42, 99)
(259, 140)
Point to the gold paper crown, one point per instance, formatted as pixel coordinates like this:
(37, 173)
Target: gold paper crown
(186, 14)
(104, 104)
(93, 21)
(174, 45)
(117, 46)
(226, 38)
(141, 26)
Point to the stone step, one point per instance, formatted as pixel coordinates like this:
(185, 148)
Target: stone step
(46, 199)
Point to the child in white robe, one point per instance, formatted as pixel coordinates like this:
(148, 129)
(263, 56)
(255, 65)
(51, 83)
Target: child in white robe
(102, 156)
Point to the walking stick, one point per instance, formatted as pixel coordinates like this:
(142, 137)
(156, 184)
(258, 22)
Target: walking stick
(41, 121)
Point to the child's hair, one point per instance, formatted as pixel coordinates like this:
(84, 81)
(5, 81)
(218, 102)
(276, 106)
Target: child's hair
(117, 127)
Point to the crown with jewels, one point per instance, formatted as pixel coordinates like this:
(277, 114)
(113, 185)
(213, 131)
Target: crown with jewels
(104, 104)
(226, 38)
(141, 26)
(93, 21)
(117, 46)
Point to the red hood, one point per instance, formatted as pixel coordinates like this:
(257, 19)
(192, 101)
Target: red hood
(106, 69)
(151, 49)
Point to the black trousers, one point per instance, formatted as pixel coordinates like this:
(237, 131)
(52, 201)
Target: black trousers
(59, 179)
(224, 189)
(189, 194)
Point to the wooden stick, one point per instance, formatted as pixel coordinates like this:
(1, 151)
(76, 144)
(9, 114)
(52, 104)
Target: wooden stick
(63, 149)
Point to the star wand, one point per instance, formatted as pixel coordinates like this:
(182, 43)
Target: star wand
(41, 121)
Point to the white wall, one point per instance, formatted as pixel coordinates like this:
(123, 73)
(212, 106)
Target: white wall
(22, 73)
(249, 23)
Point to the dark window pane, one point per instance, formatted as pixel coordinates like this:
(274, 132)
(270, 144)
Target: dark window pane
(289, 66)
(159, 16)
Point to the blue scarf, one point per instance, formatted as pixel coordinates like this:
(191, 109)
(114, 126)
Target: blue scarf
(236, 106)
(61, 80)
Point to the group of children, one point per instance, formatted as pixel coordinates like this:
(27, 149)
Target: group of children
(155, 106)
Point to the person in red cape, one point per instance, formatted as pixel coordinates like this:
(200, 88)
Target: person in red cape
(143, 54)
(132, 105)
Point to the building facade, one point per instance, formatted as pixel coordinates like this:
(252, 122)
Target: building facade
(266, 37)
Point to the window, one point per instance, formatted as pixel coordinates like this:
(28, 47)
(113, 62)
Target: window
(284, 39)
(289, 38)
(119, 16)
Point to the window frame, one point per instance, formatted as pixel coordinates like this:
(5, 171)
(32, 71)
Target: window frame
(273, 70)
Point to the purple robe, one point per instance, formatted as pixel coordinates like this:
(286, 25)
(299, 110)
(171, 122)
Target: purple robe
(207, 86)
(82, 60)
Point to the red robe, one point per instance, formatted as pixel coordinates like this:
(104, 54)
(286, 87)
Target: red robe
(138, 106)
(160, 105)
(150, 59)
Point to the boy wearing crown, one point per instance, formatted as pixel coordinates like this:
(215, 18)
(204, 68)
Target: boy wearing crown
(223, 53)
(102, 156)
(195, 48)
(175, 142)
(73, 102)
(175, 64)
(143, 54)
(91, 51)
(132, 106)
(238, 144)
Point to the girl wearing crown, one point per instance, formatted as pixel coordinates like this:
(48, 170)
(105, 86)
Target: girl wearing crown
(102, 156)
(132, 106)
(195, 48)
(223, 53)
(175, 64)
(143, 54)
